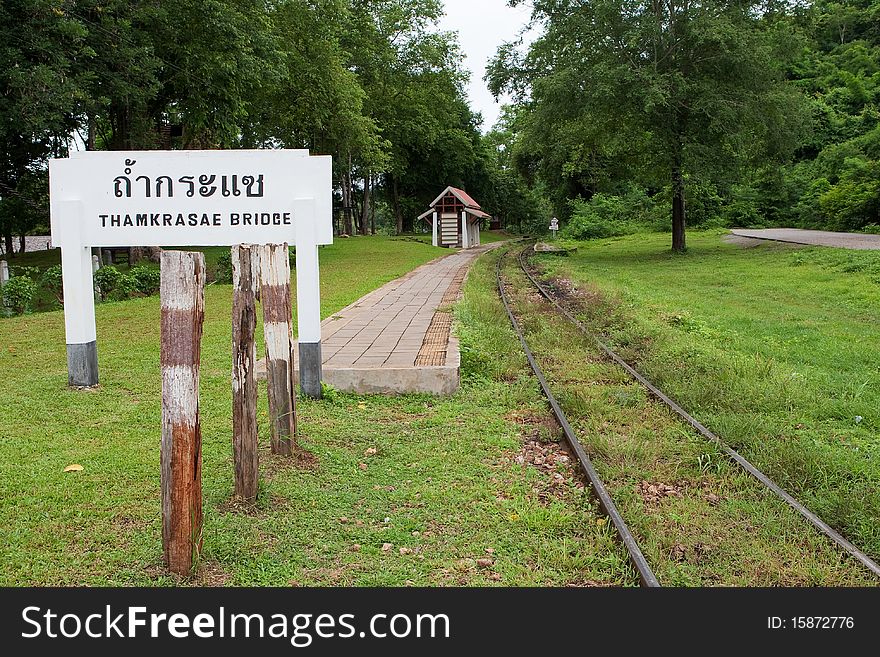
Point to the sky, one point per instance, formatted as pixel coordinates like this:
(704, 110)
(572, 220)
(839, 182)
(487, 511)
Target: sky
(482, 26)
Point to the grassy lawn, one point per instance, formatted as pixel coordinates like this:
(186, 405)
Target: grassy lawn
(700, 520)
(775, 348)
(449, 492)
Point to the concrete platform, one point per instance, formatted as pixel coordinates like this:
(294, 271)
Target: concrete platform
(398, 339)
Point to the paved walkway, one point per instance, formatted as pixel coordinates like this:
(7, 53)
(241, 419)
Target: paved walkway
(813, 237)
(31, 243)
(398, 339)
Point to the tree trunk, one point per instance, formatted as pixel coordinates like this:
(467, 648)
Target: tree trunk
(372, 218)
(90, 139)
(350, 227)
(395, 202)
(7, 239)
(22, 243)
(365, 210)
(679, 212)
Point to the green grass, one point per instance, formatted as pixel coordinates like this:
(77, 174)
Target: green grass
(775, 348)
(445, 484)
(700, 520)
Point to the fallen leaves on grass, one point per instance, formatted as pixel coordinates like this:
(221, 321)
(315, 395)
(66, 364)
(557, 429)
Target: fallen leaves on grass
(655, 492)
(554, 460)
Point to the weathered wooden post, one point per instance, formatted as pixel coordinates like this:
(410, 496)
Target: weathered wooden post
(244, 383)
(256, 277)
(275, 295)
(182, 293)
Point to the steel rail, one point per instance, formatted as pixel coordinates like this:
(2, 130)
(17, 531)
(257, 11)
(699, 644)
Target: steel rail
(738, 458)
(646, 575)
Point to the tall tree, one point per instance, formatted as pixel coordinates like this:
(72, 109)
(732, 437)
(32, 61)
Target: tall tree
(41, 98)
(677, 89)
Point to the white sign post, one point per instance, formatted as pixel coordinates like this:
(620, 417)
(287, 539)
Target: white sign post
(188, 198)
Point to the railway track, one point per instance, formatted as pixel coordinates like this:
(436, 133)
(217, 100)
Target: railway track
(636, 557)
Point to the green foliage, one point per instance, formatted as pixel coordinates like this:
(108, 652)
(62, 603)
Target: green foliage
(126, 287)
(18, 293)
(28, 271)
(223, 273)
(146, 279)
(667, 95)
(107, 279)
(330, 394)
(372, 82)
(609, 215)
(118, 286)
(52, 281)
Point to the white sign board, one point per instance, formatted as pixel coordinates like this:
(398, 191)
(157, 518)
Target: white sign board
(186, 198)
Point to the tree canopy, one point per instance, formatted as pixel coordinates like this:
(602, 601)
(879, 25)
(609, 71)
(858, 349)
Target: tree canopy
(671, 94)
(660, 113)
(375, 83)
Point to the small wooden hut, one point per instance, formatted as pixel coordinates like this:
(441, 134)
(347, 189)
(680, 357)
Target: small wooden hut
(455, 219)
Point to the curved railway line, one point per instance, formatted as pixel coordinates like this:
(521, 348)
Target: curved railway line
(606, 502)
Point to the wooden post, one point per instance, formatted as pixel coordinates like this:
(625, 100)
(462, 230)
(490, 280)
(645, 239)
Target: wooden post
(182, 293)
(244, 384)
(275, 293)
(255, 270)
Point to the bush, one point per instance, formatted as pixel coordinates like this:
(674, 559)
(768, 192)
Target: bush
(52, 281)
(146, 279)
(741, 213)
(106, 280)
(126, 287)
(607, 215)
(18, 293)
(24, 271)
(223, 273)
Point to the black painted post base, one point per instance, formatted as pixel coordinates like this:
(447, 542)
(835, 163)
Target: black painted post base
(310, 369)
(82, 365)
